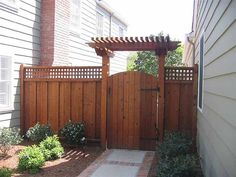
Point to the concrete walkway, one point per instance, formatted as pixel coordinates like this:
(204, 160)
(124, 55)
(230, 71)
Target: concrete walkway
(120, 163)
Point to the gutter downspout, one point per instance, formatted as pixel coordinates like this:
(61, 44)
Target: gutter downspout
(193, 44)
(110, 26)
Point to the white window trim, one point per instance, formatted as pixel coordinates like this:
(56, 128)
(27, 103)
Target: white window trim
(9, 6)
(201, 36)
(102, 23)
(10, 107)
(73, 30)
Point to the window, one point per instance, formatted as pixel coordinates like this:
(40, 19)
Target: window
(9, 4)
(75, 15)
(201, 74)
(121, 32)
(5, 82)
(99, 24)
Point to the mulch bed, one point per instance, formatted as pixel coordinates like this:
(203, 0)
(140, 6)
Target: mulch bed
(73, 162)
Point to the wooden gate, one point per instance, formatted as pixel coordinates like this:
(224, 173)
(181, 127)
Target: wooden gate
(132, 111)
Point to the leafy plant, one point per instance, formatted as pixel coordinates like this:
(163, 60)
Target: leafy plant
(5, 172)
(51, 148)
(9, 137)
(39, 132)
(31, 158)
(174, 144)
(181, 166)
(74, 133)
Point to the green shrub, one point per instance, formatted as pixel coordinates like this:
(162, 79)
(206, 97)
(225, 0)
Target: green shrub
(5, 172)
(174, 144)
(31, 158)
(74, 133)
(39, 132)
(51, 148)
(9, 137)
(181, 166)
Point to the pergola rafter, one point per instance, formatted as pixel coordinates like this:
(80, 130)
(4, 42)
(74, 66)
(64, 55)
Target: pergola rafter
(106, 46)
(159, 44)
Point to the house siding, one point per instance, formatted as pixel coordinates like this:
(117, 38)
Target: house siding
(217, 121)
(20, 34)
(80, 54)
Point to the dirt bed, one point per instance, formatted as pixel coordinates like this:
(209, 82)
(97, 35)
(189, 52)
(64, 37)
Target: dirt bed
(73, 162)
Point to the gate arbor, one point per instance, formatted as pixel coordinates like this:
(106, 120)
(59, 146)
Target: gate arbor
(125, 131)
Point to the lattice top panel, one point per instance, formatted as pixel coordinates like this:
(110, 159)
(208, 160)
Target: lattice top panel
(62, 73)
(179, 73)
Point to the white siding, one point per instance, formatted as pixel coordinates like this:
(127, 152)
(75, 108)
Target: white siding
(19, 35)
(217, 122)
(80, 53)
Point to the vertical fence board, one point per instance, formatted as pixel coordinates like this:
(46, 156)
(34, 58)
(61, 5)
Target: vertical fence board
(42, 96)
(30, 105)
(98, 110)
(89, 108)
(64, 102)
(53, 105)
(136, 110)
(76, 101)
(120, 113)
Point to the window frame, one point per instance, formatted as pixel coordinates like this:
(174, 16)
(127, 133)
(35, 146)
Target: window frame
(11, 6)
(101, 15)
(9, 107)
(200, 104)
(74, 29)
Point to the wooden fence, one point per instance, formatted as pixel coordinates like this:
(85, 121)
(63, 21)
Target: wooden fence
(55, 95)
(180, 99)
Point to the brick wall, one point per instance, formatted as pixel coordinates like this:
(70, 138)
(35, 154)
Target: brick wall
(55, 19)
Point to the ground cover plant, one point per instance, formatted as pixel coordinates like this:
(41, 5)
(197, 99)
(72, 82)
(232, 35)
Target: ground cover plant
(74, 133)
(176, 157)
(51, 148)
(31, 158)
(39, 132)
(8, 137)
(5, 172)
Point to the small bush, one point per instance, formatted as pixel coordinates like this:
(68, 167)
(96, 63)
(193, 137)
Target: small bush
(39, 132)
(74, 133)
(174, 144)
(9, 137)
(31, 158)
(181, 166)
(51, 148)
(5, 172)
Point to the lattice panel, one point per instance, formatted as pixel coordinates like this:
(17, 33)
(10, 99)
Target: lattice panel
(55, 72)
(179, 73)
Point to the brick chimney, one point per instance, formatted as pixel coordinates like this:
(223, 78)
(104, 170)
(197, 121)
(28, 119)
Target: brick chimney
(55, 20)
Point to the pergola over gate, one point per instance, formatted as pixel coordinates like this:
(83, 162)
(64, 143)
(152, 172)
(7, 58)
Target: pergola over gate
(105, 47)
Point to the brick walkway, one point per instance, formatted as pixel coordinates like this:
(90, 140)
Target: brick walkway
(120, 163)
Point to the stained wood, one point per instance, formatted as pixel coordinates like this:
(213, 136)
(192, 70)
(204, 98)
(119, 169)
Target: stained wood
(53, 105)
(42, 96)
(64, 104)
(132, 111)
(98, 110)
(76, 101)
(89, 93)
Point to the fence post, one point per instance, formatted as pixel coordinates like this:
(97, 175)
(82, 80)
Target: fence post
(161, 99)
(22, 126)
(195, 94)
(105, 74)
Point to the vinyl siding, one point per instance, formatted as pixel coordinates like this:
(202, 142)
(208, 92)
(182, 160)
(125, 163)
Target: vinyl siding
(217, 121)
(80, 53)
(19, 34)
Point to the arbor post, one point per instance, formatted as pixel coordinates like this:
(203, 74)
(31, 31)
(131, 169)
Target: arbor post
(161, 98)
(105, 73)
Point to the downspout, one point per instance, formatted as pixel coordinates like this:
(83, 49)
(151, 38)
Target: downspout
(192, 42)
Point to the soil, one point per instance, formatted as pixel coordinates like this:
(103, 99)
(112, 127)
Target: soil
(72, 163)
